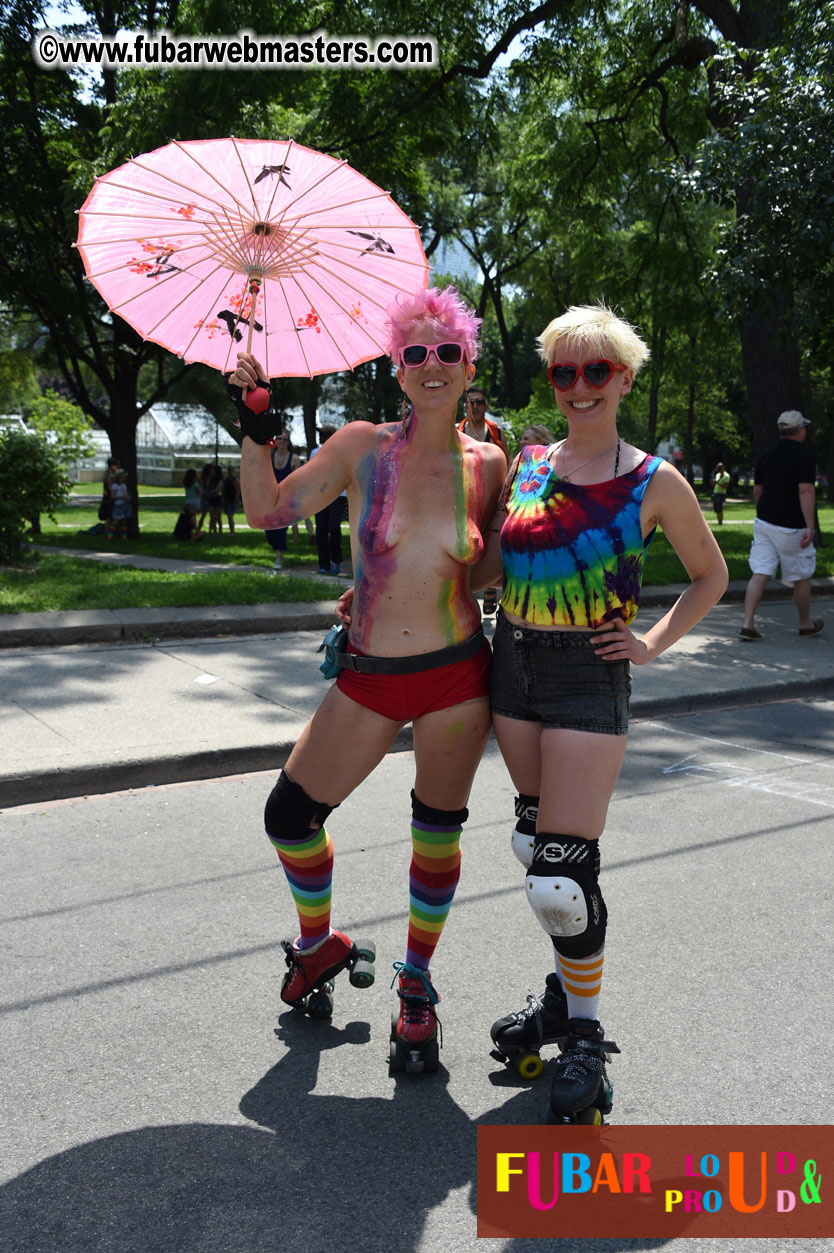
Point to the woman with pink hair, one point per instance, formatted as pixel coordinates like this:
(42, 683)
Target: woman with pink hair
(420, 495)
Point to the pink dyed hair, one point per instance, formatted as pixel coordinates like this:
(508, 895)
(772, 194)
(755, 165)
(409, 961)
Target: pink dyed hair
(443, 309)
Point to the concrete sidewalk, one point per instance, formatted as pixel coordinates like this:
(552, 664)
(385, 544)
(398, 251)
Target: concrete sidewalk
(90, 718)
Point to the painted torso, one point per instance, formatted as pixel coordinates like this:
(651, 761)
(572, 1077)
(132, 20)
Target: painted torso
(573, 555)
(416, 520)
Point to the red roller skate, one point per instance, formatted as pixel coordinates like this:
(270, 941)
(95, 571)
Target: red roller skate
(414, 1044)
(308, 983)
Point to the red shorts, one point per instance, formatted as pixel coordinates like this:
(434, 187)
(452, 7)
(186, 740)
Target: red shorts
(404, 697)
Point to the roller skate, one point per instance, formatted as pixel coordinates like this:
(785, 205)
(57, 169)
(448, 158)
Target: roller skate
(581, 1090)
(308, 983)
(414, 1045)
(519, 1037)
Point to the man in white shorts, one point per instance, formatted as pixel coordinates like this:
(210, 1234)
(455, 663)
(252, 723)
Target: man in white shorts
(783, 532)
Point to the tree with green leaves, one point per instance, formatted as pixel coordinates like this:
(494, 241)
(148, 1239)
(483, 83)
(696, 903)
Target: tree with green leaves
(64, 424)
(34, 481)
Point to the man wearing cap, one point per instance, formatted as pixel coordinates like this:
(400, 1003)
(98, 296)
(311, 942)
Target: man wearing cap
(783, 532)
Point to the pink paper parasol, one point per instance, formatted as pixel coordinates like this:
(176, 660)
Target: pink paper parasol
(214, 246)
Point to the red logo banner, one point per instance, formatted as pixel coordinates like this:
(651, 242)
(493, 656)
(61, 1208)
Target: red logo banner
(702, 1181)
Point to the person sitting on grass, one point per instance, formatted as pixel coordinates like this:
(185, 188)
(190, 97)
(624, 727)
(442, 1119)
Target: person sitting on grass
(122, 510)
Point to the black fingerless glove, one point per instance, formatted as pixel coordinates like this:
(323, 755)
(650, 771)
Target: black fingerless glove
(256, 417)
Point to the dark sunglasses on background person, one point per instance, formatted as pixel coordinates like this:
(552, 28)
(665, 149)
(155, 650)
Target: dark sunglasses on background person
(447, 354)
(563, 374)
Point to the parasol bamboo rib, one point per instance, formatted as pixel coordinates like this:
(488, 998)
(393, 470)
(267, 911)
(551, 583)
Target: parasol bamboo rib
(109, 182)
(191, 192)
(131, 239)
(300, 341)
(377, 277)
(334, 169)
(327, 226)
(199, 328)
(345, 204)
(174, 252)
(324, 327)
(245, 175)
(227, 191)
(200, 282)
(361, 292)
(332, 298)
(264, 214)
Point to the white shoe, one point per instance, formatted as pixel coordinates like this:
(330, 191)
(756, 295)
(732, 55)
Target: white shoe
(278, 563)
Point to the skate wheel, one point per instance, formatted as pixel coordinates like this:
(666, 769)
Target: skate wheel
(589, 1117)
(396, 1057)
(431, 1057)
(529, 1065)
(394, 1020)
(415, 1065)
(366, 950)
(362, 974)
(320, 1002)
(605, 1097)
(557, 1120)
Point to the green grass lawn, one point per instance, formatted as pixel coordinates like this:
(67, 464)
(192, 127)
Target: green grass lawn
(158, 515)
(50, 582)
(734, 537)
(53, 583)
(43, 582)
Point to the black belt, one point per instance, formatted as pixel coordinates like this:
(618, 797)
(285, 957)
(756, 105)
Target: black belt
(363, 664)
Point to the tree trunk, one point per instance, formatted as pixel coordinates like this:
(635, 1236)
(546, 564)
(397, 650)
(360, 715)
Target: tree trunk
(829, 466)
(309, 405)
(690, 409)
(121, 428)
(658, 349)
(771, 370)
(507, 355)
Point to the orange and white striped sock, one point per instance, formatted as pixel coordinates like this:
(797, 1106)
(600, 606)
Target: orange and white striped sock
(582, 980)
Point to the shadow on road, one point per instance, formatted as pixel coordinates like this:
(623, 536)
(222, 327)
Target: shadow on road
(321, 1172)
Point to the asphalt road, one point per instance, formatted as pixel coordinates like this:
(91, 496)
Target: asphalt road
(159, 1097)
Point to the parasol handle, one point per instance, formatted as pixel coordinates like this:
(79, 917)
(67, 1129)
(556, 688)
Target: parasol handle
(254, 288)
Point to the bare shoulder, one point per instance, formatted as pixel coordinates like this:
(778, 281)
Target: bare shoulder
(358, 433)
(669, 491)
(487, 454)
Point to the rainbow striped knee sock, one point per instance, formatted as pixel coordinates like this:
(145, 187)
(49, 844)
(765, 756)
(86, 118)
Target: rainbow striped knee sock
(433, 877)
(308, 865)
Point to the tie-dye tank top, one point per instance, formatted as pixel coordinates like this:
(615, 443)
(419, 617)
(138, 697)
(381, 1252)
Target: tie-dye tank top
(573, 554)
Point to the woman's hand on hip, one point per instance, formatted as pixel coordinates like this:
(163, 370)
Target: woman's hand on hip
(620, 644)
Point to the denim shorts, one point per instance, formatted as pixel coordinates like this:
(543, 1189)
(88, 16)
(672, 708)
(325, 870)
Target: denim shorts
(556, 678)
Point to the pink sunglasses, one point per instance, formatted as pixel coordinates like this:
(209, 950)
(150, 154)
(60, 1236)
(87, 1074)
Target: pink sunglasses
(447, 354)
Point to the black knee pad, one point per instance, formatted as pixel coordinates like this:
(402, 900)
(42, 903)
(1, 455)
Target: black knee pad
(564, 893)
(444, 818)
(290, 814)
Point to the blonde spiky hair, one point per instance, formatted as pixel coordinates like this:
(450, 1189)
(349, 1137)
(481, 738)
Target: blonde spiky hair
(594, 327)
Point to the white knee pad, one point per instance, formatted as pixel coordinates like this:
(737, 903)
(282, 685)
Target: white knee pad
(564, 893)
(522, 839)
(522, 846)
(558, 903)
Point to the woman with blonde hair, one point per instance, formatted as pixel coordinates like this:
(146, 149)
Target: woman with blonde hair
(535, 434)
(572, 533)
